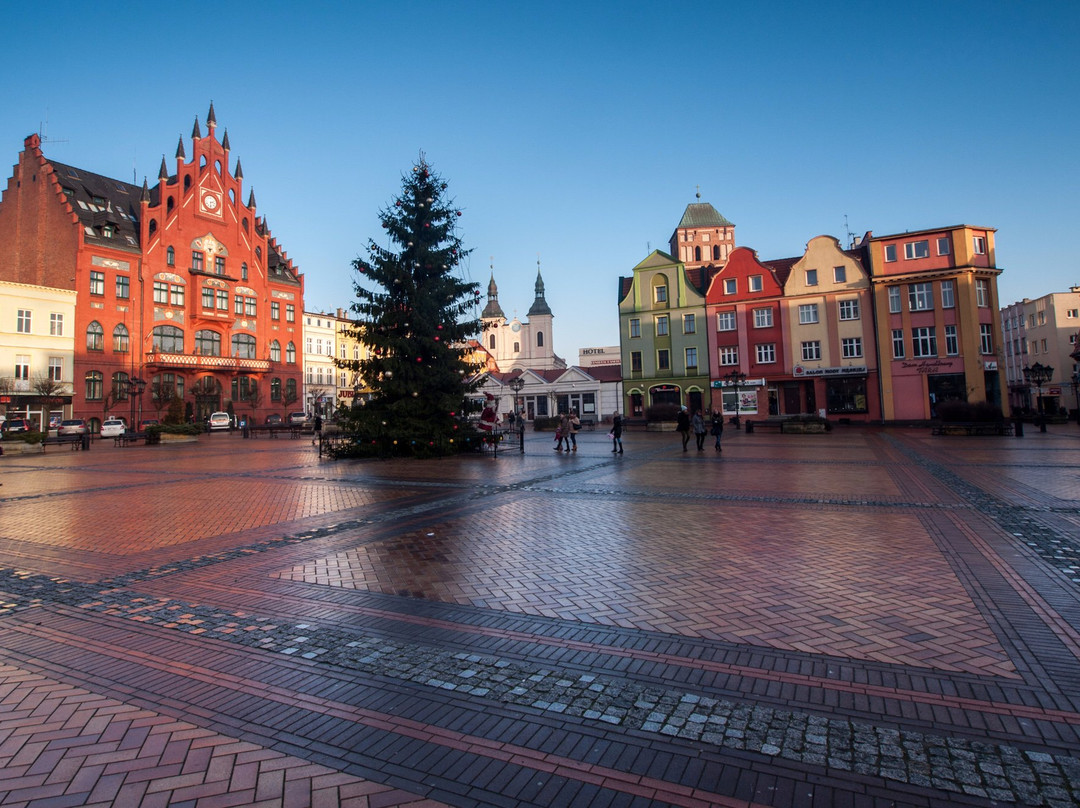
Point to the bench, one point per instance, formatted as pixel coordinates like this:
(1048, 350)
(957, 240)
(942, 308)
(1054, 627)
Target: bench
(74, 441)
(273, 430)
(127, 438)
(972, 428)
(767, 424)
(588, 424)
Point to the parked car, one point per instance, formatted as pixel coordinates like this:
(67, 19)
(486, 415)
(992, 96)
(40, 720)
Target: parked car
(72, 426)
(297, 417)
(220, 420)
(149, 422)
(274, 419)
(18, 425)
(113, 427)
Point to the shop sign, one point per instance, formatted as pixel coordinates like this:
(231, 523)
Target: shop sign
(799, 371)
(929, 366)
(990, 364)
(718, 383)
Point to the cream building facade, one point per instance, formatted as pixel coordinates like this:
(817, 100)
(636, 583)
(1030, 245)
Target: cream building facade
(37, 351)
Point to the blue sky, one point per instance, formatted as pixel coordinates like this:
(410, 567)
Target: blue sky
(578, 132)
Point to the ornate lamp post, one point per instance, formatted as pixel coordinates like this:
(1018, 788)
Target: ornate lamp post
(1038, 375)
(516, 384)
(135, 387)
(736, 378)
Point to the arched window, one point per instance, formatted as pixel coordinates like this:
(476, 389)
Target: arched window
(275, 351)
(153, 226)
(290, 390)
(258, 253)
(697, 253)
(491, 342)
(243, 346)
(163, 386)
(243, 271)
(244, 224)
(275, 388)
(170, 203)
(170, 257)
(168, 339)
(539, 339)
(202, 162)
(120, 386)
(120, 339)
(95, 337)
(217, 166)
(208, 343)
(187, 183)
(232, 195)
(94, 381)
(716, 252)
(290, 354)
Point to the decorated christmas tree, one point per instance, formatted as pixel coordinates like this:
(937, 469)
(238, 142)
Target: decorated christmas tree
(415, 313)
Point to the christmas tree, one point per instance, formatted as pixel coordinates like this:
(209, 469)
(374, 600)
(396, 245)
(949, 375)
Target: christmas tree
(416, 315)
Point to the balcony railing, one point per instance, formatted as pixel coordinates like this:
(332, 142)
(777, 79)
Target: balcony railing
(202, 362)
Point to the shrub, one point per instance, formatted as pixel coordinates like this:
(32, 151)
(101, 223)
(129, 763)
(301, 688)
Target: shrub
(662, 412)
(545, 423)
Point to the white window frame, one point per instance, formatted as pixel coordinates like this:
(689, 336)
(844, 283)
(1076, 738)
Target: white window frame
(665, 355)
(726, 321)
(754, 283)
(982, 293)
(895, 300)
(635, 328)
(952, 341)
(948, 295)
(986, 339)
(660, 293)
(923, 342)
(811, 350)
(731, 286)
(848, 309)
(763, 318)
(898, 344)
(914, 250)
(811, 277)
(690, 357)
(921, 296)
(729, 356)
(663, 325)
(765, 353)
(24, 319)
(978, 245)
(689, 324)
(944, 246)
(808, 313)
(851, 347)
(890, 253)
(839, 274)
(56, 324)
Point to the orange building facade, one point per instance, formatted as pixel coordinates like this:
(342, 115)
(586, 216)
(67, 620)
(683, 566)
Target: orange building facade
(180, 287)
(938, 324)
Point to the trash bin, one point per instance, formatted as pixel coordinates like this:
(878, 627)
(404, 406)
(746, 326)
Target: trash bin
(86, 440)
(1018, 427)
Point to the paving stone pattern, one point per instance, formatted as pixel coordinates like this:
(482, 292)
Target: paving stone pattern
(868, 617)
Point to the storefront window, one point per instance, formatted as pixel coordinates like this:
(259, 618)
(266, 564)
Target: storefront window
(846, 395)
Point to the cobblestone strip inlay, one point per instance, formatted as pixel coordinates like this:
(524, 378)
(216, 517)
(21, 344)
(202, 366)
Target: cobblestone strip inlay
(996, 771)
(1062, 551)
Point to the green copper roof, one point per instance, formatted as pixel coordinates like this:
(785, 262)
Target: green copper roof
(702, 214)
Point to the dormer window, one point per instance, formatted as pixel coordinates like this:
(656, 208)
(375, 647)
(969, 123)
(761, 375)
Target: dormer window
(107, 231)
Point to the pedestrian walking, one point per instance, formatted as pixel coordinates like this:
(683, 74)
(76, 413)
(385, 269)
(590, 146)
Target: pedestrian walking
(616, 433)
(682, 426)
(575, 427)
(717, 427)
(698, 425)
(316, 429)
(563, 433)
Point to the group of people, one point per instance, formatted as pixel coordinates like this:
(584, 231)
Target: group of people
(687, 423)
(566, 431)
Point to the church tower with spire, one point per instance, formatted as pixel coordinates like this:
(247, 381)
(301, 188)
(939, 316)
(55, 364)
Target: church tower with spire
(515, 344)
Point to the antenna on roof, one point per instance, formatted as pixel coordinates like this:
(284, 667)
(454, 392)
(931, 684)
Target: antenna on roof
(850, 235)
(698, 194)
(43, 129)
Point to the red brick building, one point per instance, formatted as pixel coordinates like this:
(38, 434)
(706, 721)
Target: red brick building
(180, 286)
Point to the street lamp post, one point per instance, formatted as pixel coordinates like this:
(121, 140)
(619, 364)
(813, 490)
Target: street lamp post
(516, 384)
(735, 378)
(135, 387)
(1038, 375)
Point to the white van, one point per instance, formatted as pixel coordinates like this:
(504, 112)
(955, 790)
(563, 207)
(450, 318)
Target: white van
(220, 420)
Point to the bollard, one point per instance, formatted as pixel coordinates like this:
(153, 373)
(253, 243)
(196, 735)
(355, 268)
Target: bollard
(1018, 427)
(86, 441)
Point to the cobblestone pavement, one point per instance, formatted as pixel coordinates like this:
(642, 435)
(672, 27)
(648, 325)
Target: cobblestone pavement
(864, 618)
